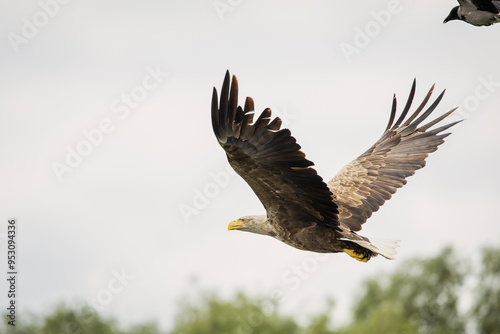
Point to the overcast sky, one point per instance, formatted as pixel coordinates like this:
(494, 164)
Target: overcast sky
(122, 193)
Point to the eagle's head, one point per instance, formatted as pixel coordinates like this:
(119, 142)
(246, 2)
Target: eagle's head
(254, 224)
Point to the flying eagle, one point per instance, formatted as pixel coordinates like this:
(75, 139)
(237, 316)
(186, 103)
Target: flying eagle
(302, 210)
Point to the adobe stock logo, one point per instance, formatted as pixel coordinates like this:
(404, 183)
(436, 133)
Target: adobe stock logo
(372, 29)
(31, 27)
(121, 108)
(116, 284)
(203, 195)
(223, 6)
(119, 281)
(486, 88)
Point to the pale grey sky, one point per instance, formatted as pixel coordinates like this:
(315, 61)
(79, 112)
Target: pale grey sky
(111, 231)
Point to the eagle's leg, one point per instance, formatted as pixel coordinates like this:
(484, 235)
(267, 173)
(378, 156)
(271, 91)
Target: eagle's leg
(360, 256)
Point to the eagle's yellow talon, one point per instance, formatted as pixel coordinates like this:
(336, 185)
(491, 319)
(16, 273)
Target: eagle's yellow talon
(356, 255)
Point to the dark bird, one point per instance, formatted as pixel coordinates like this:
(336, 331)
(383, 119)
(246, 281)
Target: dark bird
(302, 210)
(476, 12)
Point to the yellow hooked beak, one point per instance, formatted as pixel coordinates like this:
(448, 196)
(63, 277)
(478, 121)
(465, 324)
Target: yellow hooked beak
(235, 224)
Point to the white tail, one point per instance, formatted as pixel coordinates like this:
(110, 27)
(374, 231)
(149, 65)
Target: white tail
(386, 248)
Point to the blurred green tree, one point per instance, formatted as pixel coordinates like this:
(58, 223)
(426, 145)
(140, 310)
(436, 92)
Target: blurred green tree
(321, 323)
(486, 310)
(386, 318)
(79, 321)
(240, 315)
(421, 294)
(67, 320)
(420, 297)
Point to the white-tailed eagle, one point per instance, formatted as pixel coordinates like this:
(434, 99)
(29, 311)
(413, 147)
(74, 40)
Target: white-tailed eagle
(302, 210)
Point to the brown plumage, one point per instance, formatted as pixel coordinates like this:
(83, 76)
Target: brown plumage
(302, 210)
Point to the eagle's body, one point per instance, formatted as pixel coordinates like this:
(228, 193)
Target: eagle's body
(310, 236)
(302, 210)
(476, 12)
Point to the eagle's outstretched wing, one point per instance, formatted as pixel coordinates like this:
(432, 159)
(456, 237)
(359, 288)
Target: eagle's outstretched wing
(270, 161)
(363, 185)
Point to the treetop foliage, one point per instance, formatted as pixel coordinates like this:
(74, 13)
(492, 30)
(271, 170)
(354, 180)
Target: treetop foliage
(422, 296)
